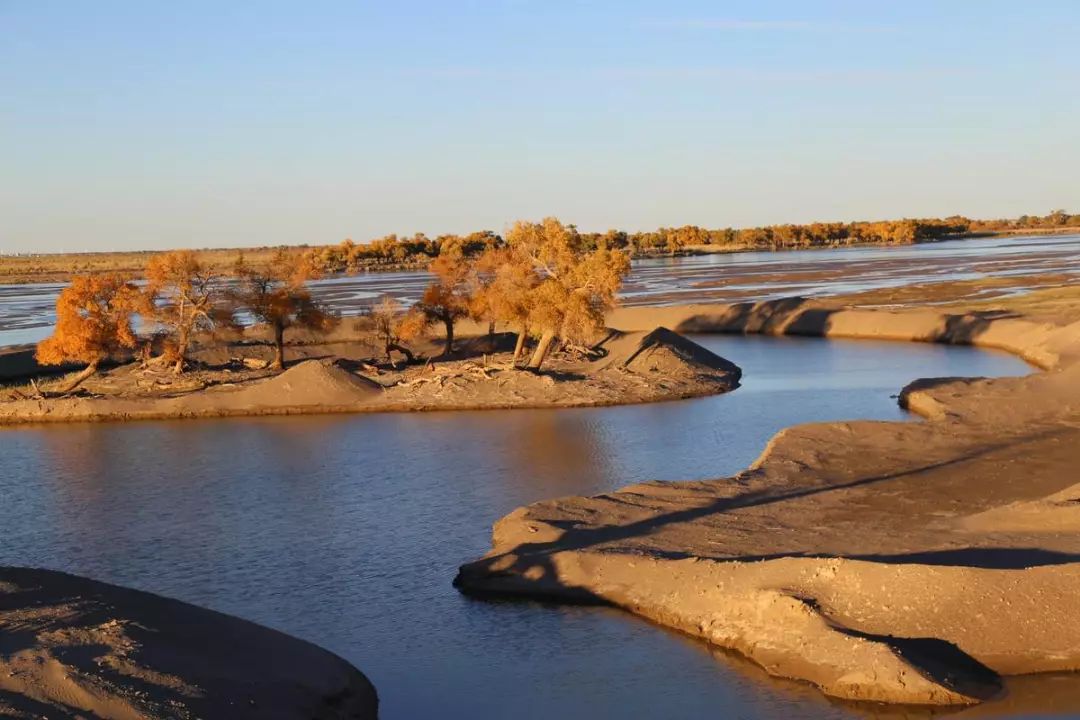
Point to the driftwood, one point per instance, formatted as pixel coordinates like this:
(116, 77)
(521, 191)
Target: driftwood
(162, 380)
(591, 353)
(420, 381)
(20, 395)
(251, 363)
(433, 374)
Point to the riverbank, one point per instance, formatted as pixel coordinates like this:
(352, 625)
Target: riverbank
(76, 647)
(340, 375)
(54, 268)
(1028, 325)
(735, 248)
(907, 563)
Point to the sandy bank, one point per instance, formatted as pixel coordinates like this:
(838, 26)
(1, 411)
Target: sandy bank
(626, 367)
(74, 647)
(1039, 340)
(895, 562)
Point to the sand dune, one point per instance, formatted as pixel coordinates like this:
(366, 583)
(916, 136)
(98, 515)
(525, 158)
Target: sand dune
(311, 382)
(662, 351)
(74, 647)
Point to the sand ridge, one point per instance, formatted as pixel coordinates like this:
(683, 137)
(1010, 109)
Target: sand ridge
(662, 351)
(73, 647)
(311, 382)
(896, 562)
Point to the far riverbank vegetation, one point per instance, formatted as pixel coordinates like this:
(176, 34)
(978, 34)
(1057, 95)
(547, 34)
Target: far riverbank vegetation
(405, 252)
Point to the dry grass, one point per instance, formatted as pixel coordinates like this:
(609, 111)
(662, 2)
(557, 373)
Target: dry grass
(60, 267)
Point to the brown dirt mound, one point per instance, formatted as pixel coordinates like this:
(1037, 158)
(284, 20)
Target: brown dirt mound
(312, 382)
(665, 351)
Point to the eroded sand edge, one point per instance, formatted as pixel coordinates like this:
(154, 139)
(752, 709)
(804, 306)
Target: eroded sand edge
(895, 562)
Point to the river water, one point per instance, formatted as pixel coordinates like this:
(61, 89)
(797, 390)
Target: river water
(347, 530)
(26, 311)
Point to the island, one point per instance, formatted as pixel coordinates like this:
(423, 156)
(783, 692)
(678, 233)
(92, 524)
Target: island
(340, 373)
(193, 341)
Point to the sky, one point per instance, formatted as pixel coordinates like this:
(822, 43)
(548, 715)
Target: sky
(143, 125)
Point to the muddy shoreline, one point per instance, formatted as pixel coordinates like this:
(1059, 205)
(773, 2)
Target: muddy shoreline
(856, 556)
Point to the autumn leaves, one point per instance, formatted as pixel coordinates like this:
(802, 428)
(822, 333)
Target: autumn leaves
(181, 296)
(545, 281)
(93, 321)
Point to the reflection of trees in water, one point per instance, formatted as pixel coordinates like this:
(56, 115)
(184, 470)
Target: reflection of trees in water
(93, 468)
(553, 449)
(96, 477)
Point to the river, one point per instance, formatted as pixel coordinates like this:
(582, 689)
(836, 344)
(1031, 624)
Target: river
(347, 530)
(26, 311)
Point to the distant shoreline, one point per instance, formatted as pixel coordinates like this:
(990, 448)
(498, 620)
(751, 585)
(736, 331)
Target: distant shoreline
(133, 262)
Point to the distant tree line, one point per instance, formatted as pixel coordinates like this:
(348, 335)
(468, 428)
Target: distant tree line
(395, 251)
(418, 250)
(1057, 219)
(786, 237)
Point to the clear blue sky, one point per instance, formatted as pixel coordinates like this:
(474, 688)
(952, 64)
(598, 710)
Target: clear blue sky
(207, 123)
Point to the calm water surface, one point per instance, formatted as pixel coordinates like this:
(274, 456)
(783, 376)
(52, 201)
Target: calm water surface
(347, 531)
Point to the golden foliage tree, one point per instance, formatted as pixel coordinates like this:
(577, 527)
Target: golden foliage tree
(504, 280)
(187, 296)
(93, 322)
(276, 293)
(394, 326)
(483, 273)
(575, 286)
(446, 299)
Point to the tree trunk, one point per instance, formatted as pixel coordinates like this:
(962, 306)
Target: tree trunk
(449, 348)
(181, 351)
(409, 357)
(79, 379)
(279, 348)
(541, 351)
(491, 331)
(519, 346)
